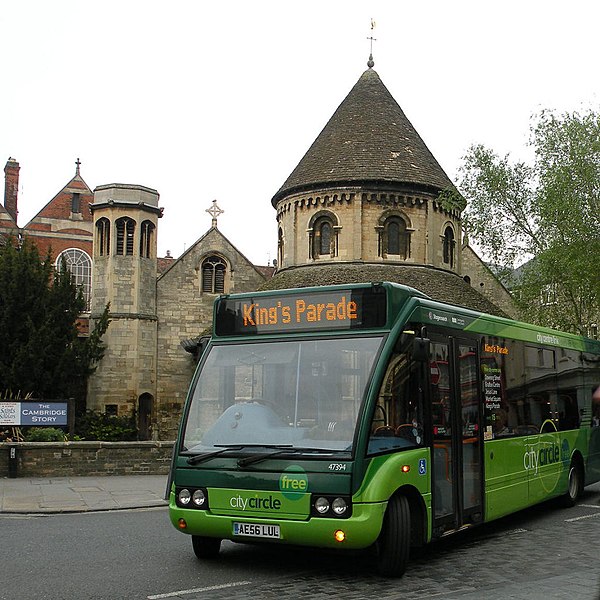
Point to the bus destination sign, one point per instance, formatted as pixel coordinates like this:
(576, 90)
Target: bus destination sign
(310, 311)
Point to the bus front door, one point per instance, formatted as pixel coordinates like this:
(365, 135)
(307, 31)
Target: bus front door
(456, 428)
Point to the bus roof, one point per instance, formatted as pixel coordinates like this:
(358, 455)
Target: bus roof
(369, 305)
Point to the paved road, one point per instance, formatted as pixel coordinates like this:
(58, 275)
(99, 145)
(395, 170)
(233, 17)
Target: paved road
(543, 553)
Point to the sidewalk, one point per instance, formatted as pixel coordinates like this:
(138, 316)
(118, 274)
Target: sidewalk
(81, 494)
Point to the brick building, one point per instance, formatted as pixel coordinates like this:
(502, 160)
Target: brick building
(361, 205)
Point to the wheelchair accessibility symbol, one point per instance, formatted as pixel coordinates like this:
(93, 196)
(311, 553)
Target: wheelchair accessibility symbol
(422, 466)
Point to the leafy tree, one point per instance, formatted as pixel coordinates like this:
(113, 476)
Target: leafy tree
(41, 352)
(542, 217)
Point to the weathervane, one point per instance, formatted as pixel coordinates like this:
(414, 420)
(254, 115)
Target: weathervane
(371, 62)
(214, 211)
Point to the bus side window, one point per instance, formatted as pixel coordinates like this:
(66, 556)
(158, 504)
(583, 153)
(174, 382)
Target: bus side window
(596, 407)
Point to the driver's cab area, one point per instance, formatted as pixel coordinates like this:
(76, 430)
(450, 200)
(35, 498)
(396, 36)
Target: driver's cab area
(397, 421)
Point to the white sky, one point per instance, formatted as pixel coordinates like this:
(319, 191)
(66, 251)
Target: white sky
(220, 99)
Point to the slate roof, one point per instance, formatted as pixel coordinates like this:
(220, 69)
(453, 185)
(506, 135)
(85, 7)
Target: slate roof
(438, 284)
(368, 139)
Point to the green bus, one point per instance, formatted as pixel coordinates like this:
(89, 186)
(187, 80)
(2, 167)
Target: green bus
(371, 416)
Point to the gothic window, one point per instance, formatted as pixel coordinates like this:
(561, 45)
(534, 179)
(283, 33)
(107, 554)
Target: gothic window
(323, 237)
(125, 232)
(80, 265)
(213, 275)
(449, 246)
(146, 239)
(103, 236)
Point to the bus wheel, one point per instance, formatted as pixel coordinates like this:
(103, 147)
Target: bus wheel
(575, 485)
(393, 545)
(206, 547)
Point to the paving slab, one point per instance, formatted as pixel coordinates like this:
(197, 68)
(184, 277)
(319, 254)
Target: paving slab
(81, 494)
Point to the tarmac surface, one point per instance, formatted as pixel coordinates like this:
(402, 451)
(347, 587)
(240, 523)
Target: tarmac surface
(543, 553)
(47, 495)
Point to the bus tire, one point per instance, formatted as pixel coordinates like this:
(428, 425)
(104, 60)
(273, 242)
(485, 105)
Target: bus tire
(393, 545)
(574, 485)
(206, 547)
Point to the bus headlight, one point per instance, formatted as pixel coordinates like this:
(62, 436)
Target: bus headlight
(184, 497)
(339, 506)
(199, 498)
(321, 505)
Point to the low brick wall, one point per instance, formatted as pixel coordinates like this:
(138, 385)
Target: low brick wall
(71, 459)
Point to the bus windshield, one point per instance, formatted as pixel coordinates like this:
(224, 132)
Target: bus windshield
(303, 394)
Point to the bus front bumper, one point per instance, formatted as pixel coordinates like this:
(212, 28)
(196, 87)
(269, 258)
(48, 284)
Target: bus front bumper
(359, 531)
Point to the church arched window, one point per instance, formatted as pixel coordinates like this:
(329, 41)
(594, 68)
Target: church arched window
(213, 275)
(323, 236)
(103, 236)
(394, 236)
(146, 239)
(397, 237)
(280, 247)
(79, 264)
(449, 245)
(125, 227)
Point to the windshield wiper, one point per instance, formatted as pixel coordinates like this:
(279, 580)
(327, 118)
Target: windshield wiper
(250, 460)
(285, 450)
(198, 458)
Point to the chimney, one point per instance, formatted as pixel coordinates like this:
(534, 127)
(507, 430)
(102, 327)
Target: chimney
(11, 187)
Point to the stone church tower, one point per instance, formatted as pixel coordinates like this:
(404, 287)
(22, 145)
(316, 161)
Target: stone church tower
(364, 204)
(124, 275)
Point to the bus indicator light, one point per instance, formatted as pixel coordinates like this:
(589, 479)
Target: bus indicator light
(405, 468)
(182, 524)
(339, 535)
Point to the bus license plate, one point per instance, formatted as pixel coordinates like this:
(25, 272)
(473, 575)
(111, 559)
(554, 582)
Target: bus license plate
(257, 530)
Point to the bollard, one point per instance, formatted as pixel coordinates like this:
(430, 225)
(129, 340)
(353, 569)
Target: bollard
(12, 462)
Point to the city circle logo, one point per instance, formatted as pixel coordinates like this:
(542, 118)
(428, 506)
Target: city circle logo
(293, 482)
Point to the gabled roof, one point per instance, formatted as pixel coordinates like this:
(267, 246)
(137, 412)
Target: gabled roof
(59, 207)
(368, 139)
(216, 241)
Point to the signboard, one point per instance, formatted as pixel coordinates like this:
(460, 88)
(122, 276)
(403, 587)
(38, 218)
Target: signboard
(303, 311)
(38, 414)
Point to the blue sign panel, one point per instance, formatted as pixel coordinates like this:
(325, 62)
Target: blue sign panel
(41, 413)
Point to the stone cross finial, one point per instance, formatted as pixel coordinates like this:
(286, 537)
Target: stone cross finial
(77, 165)
(214, 211)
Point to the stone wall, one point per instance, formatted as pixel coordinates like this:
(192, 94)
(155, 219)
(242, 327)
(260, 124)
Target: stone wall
(75, 459)
(485, 282)
(184, 312)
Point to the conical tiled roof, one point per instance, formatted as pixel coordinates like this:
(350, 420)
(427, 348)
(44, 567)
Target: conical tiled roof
(368, 139)
(438, 284)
